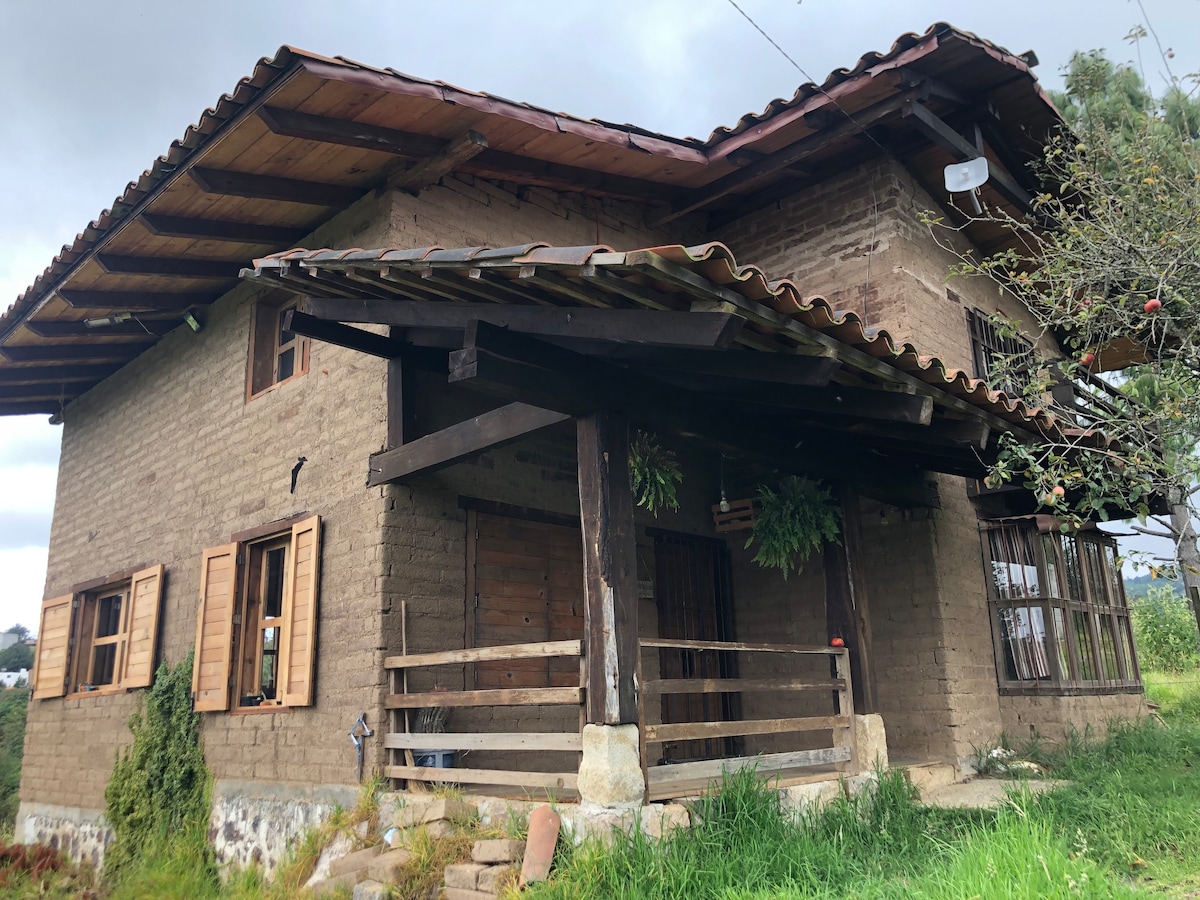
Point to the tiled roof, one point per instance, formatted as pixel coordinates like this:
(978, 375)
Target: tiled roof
(716, 264)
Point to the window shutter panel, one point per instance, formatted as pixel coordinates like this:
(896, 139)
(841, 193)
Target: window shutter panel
(214, 628)
(145, 595)
(53, 648)
(300, 632)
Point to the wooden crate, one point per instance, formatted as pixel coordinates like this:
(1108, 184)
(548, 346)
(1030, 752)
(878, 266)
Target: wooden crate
(739, 518)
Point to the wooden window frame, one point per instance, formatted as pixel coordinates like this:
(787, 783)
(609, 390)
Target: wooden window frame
(1077, 607)
(229, 639)
(134, 636)
(266, 346)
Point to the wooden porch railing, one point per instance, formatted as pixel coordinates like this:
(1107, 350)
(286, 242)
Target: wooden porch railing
(402, 742)
(678, 779)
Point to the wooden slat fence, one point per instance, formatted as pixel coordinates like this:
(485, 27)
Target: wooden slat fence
(679, 779)
(402, 743)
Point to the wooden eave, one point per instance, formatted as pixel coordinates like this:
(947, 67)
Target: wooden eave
(241, 185)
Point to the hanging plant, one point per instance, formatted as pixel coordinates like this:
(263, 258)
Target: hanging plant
(793, 522)
(653, 472)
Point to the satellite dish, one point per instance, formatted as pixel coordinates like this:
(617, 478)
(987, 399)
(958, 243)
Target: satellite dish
(966, 176)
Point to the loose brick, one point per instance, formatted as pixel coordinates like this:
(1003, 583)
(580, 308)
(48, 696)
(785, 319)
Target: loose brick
(336, 883)
(354, 862)
(386, 867)
(371, 890)
(494, 879)
(498, 851)
(464, 875)
(418, 813)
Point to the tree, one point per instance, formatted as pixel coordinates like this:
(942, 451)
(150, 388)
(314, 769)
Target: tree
(20, 631)
(15, 658)
(1115, 278)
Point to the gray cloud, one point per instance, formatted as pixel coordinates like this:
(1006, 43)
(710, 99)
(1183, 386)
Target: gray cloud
(24, 529)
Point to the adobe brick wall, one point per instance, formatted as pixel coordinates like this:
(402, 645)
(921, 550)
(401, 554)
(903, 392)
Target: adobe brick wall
(1053, 719)
(166, 458)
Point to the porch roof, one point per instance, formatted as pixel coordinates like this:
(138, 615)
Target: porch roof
(778, 316)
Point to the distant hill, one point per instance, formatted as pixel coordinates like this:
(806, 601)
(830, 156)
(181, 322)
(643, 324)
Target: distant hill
(1136, 588)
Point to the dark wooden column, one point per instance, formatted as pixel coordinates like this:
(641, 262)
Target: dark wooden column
(609, 569)
(400, 410)
(847, 613)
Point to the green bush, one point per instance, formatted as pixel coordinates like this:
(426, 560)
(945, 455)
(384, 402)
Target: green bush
(1164, 628)
(13, 704)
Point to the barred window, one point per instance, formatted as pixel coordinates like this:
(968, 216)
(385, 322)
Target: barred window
(988, 344)
(1059, 617)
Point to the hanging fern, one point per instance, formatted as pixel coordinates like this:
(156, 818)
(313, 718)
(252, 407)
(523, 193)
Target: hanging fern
(793, 522)
(653, 473)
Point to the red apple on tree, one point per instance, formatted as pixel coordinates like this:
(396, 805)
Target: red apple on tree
(1153, 305)
(1088, 358)
(1058, 490)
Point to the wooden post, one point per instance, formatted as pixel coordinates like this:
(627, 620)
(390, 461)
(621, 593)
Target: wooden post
(846, 609)
(609, 569)
(844, 736)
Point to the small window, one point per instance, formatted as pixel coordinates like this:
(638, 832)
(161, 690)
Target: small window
(100, 639)
(988, 343)
(276, 354)
(1059, 616)
(255, 635)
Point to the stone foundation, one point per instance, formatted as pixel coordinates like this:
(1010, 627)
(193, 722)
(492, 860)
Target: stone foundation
(82, 834)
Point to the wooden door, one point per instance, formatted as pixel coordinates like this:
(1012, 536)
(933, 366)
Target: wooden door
(528, 587)
(693, 592)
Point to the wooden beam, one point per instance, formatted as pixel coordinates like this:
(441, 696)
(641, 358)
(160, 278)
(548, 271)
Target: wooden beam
(764, 764)
(29, 407)
(55, 374)
(842, 401)
(774, 163)
(348, 133)
(690, 731)
(496, 740)
(123, 351)
(157, 327)
(270, 187)
(49, 391)
(342, 335)
(168, 265)
(846, 610)
(134, 301)
(493, 429)
(656, 687)
(609, 569)
(555, 696)
(630, 326)
(950, 140)
(427, 172)
(213, 230)
(535, 650)
(552, 783)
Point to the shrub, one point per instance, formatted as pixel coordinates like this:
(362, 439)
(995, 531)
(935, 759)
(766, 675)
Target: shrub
(13, 704)
(1164, 628)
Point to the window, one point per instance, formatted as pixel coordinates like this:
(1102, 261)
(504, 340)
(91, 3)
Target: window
(101, 637)
(1059, 616)
(256, 630)
(276, 354)
(988, 343)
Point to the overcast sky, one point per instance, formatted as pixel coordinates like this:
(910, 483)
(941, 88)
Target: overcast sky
(96, 90)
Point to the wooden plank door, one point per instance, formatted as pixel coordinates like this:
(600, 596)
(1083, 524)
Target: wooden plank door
(694, 597)
(528, 587)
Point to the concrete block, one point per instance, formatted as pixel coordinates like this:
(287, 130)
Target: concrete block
(328, 886)
(494, 879)
(657, 823)
(498, 851)
(371, 890)
(610, 774)
(871, 740)
(464, 875)
(418, 812)
(354, 862)
(386, 866)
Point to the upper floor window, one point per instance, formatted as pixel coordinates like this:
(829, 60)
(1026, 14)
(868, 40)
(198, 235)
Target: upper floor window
(988, 344)
(1059, 617)
(276, 354)
(101, 637)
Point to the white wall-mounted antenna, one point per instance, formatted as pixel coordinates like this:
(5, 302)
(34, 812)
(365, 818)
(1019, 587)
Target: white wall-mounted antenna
(966, 177)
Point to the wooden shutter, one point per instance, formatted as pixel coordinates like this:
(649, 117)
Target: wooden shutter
(145, 595)
(298, 650)
(53, 648)
(214, 628)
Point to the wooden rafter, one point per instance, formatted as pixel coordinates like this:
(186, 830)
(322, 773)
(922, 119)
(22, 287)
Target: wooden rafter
(271, 187)
(123, 351)
(214, 230)
(135, 301)
(55, 374)
(168, 265)
(156, 327)
(348, 133)
(427, 172)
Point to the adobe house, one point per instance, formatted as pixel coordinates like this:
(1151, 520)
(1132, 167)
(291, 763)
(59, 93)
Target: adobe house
(381, 483)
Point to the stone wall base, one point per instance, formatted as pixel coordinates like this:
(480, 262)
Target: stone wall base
(83, 834)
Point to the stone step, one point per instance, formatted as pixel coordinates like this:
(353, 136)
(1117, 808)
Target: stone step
(930, 777)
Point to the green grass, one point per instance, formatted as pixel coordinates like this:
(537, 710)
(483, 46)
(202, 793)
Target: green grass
(1127, 823)
(1178, 693)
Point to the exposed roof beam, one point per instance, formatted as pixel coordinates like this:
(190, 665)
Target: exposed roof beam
(270, 187)
(213, 230)
(774, 163)
(156, 327)
(342, 335)
(55, 374)
(666, 329)
(93, 352)
(839, 400)
(426, 172)
(30, 408)
(348, 133)
(950, 140)
(168, 265)
(48, 391)
(488, 431)
(135, 300)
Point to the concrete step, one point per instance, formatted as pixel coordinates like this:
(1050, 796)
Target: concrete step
(930, 777)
